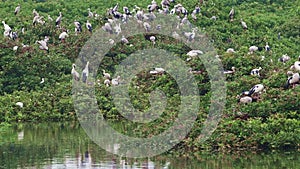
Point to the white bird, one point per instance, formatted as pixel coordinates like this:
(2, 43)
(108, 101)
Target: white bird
(15, 48)
(35, 13)
(256, 89)
(85, 73)
(107, 27)
(17, 9)
(115, 81)
(295, 78)
(49, 18)
(75, 73)
(111, 41)
(195, 12)
(89, 26)
(190, 35)
(193, 53)
(90, 14)
(297, 65)
(267, 47)
(23, 30)
(255, 72)
(20, 104)
(229, 71)
(244, 25)
(117, 28)
(152, 39)
(58, 19)
(157, 71)
(107, 82)
(213, 18)
(126, 10)
(230, 50)
(147, 26)
(43, 45)
(6, 27)
(36, 19)
(42, 81)
(195, 71)
(284, 58)
(106, 75)
(245, 99)
(231, 14)
(253, 49)
(78, 27)
(63, 36)
(124, 40)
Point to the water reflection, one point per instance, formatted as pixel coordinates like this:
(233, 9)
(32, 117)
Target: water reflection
(65, 145)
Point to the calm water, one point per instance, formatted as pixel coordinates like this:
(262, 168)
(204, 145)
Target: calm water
(65, 145)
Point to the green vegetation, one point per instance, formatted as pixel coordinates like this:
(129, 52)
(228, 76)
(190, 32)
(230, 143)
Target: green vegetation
(272, 122)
